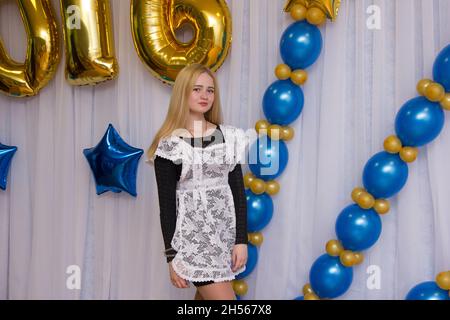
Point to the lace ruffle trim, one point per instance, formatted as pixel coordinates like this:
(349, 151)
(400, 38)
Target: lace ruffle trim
(230, 275)
(169, 148)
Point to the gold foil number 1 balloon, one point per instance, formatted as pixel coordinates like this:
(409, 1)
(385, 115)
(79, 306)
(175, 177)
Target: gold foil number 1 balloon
(88, 33)
(155, 22)
(42, 58)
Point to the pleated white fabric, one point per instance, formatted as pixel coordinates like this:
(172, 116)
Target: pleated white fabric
(51, 218)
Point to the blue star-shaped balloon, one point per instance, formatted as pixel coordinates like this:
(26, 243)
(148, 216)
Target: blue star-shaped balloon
(114, 163)
(6, 154)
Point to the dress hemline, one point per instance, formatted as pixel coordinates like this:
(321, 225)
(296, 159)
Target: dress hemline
(222, 279)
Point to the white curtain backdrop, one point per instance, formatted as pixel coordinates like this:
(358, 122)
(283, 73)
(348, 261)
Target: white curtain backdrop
(51, 217)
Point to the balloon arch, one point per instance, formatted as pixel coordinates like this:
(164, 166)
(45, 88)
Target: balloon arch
(359, 225)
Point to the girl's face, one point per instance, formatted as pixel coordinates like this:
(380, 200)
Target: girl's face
(202, 95)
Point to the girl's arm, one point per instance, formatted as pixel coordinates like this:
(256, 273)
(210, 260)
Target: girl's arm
(166, 178)
(236, 182)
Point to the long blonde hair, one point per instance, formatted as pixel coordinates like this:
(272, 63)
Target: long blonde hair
(177, 115)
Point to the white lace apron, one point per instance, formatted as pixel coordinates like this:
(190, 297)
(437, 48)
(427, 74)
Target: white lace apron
(205, 231)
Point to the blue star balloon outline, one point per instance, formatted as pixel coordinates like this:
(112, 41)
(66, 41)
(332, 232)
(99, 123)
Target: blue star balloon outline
(6, 155)
(114, 163)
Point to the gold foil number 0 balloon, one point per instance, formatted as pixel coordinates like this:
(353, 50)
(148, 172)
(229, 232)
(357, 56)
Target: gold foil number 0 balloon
(89, 39)
(89, 46)
(154, 25)
(42, 58)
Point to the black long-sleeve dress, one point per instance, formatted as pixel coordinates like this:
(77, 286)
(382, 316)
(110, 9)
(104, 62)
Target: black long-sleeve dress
(168, 173)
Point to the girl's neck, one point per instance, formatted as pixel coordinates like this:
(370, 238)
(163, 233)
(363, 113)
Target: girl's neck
(197, 124)
(196, 116)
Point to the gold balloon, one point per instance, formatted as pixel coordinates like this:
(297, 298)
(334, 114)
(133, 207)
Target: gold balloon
(256, 238)
(359, 257)
(315, 16)
(258, 186)
(356, 193)
(154, 25)
(334, 248)
(409, 154)
(422, 85)
(365, 200)
(329, 7)
(262, 125)
(274, 132)
(392, 144)
(282, 71)
(434, 92)
(381, 206)
(299, 77)
(307, 289)
(311, 296)
(445, 102)
(89, 38)
(443, 280)
(298, 12)
(347, 258)
(248, 178)
(287, 133)
(272, 187)
(240, 287)
(42, 58)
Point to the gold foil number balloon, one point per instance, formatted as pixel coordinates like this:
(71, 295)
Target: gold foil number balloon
(42, 58)
(88, 33)
(154, 25)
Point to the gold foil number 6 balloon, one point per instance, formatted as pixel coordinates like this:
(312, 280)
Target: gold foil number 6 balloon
(42, 58)
(90, 56)
(155, 22)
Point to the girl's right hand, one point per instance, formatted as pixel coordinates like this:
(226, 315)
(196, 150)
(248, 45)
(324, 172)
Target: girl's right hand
(176, 280)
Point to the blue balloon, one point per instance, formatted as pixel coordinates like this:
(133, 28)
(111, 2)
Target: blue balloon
(358, 229)
(114, 163)
(419, 121)
(299, 298)
(329, 278)
(441, 68)
(268, 158)
(427, 291)
(300, 45)
(385, 174)
(259, 210)
(283, 102)
(6, 155)
(252, 260)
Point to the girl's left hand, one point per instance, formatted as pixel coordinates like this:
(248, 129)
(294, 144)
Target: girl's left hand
(239, 256)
